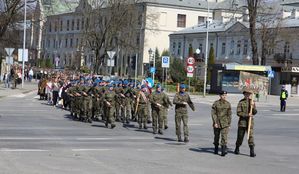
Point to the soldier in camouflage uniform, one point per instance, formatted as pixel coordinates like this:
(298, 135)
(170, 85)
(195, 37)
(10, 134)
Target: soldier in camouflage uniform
(142, 102)
(127, 103)
(159, 102)
(95, 94)
(221, 116)
(110, 99)
(86, 104)
(243, 111)
(118, 90)
(165, 111)
(181, 100)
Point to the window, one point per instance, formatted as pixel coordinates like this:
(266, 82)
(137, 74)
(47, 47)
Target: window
(173, 47)
(77, 42)
(201, 20)
(82, 24)
(232, 47)
(67, 25)
(48, 43)
(238, 47)
(245, 49)
(66, 43)
(71, 43)
(73, 24)
(181, 22)
(59, 43)
(87, 22)
(78, 24)
(287, 47)
(223, 48)
(55, 27)
(211, 45)
(179, 48)
(61, 25)
(50, 27)
(200, 47)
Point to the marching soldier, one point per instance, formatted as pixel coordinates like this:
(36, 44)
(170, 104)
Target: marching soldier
(118, 90)
(181, 100)
(243, 111)
(110, 98)
(127, 103)
(158, 103)
(165, 111)
(142, 104)
(221, 116)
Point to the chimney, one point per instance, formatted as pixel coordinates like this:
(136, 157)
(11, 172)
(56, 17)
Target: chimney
(245, 15)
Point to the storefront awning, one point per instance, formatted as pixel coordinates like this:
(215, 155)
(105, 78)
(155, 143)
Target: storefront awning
(247, 67)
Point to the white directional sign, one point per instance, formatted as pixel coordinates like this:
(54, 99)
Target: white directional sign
(111, 54)
(110, 62)
(9, 51)
(165, 61)
(189, 74)
(190, 69)
(9, 60)
(190, 61)
(20, 55)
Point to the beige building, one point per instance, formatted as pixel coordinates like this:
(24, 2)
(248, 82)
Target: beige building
(63, 32)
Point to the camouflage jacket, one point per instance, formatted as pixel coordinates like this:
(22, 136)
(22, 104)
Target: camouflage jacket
(157, 99)
(221, 113)
(179, 100)
(243, 110)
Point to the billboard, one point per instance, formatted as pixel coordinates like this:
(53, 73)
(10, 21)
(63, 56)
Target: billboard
(257, 83)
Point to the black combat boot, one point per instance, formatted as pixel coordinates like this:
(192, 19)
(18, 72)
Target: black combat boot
(113, 126)
(180, 139)
(252, 154)
(160, 132)
(186, 140)
(223, 150)
(216, 149)
(165, 127)
(237, 150)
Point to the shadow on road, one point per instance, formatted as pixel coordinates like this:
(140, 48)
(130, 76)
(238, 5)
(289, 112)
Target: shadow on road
(144, 130)
(97, 125)
(166, 139)
(203, 150)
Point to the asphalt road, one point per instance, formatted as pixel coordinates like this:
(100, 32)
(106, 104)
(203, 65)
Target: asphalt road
(36, 138)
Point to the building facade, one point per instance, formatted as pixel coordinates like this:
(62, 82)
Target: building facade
(231, 43)
(62, 33)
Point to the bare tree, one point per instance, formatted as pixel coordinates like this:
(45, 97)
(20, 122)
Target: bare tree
(112, 25)
(11, 14)
(269, 29)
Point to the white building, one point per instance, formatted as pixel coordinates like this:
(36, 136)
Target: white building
(231, 42)
(160, 18)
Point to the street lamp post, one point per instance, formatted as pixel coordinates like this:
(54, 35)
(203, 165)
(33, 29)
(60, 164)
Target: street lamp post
(24, 43)
(206, 54)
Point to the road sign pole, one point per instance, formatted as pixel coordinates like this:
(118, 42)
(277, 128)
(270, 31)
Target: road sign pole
(166, 81)
(24, 44)
(135, 84)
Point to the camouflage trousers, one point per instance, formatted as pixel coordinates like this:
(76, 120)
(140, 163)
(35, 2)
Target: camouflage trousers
(157, 115)
(179, 118)
(109, 115)
(223, 132)
(142, 115)
(125, 110)
(241, 134)
(86, 108)
(164, 116)
(96, 107)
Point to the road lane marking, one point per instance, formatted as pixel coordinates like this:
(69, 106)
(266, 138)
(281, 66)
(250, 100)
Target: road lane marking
(286, 114)
(22, 150)
(84, 150)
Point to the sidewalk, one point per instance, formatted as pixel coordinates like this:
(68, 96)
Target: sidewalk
(28, 87)
(271, 100)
